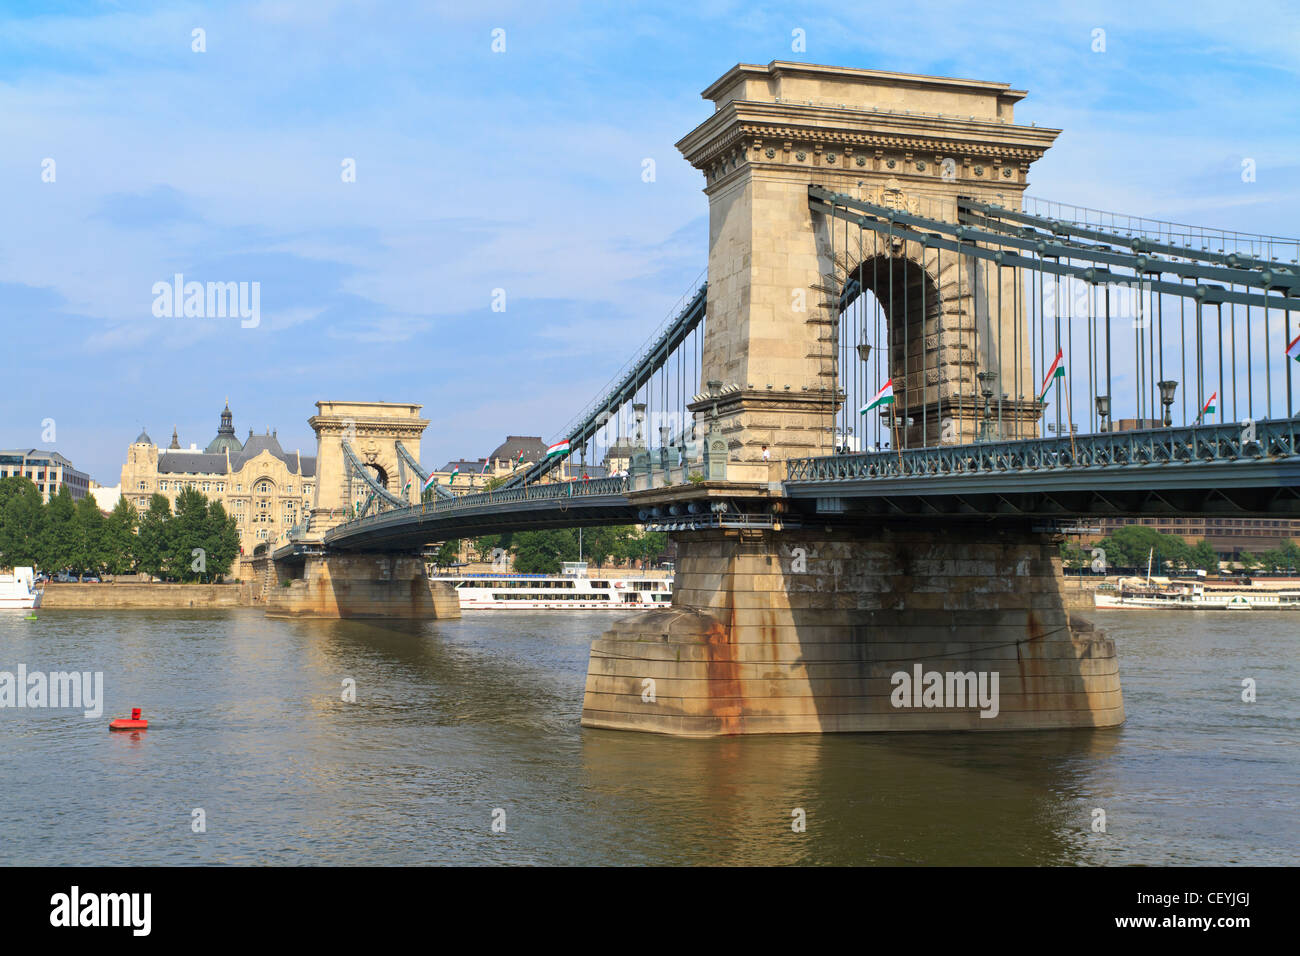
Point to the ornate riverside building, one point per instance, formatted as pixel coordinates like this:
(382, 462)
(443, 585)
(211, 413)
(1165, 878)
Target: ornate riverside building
(267, 489)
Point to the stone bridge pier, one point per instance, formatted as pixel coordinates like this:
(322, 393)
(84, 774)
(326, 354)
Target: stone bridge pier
(895, 626)
(310, 579)
(838, 626)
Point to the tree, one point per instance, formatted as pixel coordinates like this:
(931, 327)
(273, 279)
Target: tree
(88, 537)
(1074, 556)
(222, 537)
(601, 544)
(1283, 558)
(187, 532)
(22, 522)
(448, 553)
(540, 552)
(484, 546)
(1203, 556)
(119, 542)
(645, 547)
(58, 548)
(153, 540)
(1130, 545)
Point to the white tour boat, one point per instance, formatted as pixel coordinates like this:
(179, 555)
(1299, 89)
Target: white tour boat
(1135, 593)
(18, 589)
(571, 590)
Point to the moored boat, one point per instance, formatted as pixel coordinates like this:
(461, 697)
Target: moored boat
(571, 591)
(18, 590)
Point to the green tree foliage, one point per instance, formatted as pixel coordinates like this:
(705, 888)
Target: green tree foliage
(223, 540)
(448, 553)
(88, 553)
(645, 548)
(483, 547)
(22, 522)
(75, 534)
(186, 532)
(1203, 556)
(154, 540)
(599, 545)
(58, 549)
(1130, 545)
(119, 538)
(1283, 558)
(540, 552)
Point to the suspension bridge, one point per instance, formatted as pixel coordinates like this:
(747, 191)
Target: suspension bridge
(865, 431)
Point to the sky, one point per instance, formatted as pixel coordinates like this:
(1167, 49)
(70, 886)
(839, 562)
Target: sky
(518, 170)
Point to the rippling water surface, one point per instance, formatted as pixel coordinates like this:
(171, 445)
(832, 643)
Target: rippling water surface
(455, 719)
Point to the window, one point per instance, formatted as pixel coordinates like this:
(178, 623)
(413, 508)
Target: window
(144, 486)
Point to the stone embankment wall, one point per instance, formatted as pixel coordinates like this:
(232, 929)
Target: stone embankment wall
(802, 632)
(127, 595)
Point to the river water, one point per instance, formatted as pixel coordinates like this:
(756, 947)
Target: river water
(457, 720)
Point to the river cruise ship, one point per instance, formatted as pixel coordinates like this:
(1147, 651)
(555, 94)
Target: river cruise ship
(18, 589)
(1136, 593)
(572, 590)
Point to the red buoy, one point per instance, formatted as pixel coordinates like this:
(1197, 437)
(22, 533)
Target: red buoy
(135, 723)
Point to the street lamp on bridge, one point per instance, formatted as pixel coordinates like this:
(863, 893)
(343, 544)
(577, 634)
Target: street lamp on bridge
(1103, 411)
(1167, 389)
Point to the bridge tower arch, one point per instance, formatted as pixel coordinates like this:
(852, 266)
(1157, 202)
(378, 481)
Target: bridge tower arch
(372, 430)
(776, 270)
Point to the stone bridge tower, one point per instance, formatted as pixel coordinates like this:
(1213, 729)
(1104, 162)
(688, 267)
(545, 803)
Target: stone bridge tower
(776, 269)
(373, 430)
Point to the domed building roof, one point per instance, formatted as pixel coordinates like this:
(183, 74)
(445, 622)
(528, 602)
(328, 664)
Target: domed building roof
(225, 440)
(532, 446)
(144, 438)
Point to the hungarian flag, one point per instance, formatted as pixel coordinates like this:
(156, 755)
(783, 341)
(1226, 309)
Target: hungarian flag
(558, 449)
(883, 397)
(405, 489)
(520, 460)
(428, 483)
(1056, 371)
(1209, 407)
(455, 470)
(486, 463)
(1293, 350)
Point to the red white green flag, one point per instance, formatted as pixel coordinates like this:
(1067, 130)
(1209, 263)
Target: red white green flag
(428, 483)
(883, 397)
(1209, 407)
(455, 470)
(1056, 371)
(1293, 350)
(559, 448)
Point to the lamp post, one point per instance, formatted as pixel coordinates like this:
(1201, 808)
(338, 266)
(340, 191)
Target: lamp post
(986, 391)
(1167, 390)
(1103, 411)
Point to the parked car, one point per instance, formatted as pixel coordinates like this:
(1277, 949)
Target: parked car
(89, 579)
(63, 577)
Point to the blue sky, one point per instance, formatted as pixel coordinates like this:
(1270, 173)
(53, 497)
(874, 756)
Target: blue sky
(518, 170)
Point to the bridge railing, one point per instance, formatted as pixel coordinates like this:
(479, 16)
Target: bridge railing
(1258, 440)
(553, 491)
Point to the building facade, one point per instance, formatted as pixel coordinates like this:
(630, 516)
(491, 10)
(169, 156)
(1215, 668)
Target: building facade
(265, 488)
(515, 453)
(48, 470)
(1230, 537)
